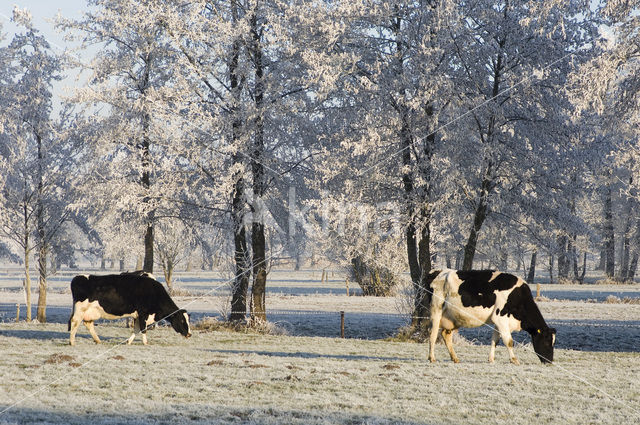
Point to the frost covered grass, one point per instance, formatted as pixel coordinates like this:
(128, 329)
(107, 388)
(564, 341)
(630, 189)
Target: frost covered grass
(238, 378)
(222, 376)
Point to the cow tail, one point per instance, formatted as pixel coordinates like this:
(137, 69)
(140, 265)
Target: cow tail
(73, 310)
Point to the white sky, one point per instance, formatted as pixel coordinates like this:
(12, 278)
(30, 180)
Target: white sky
(44, 13)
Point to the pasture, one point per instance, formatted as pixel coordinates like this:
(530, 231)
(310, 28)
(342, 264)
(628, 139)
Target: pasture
(307, 375)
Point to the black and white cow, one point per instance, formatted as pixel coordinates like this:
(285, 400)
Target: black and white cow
(467, 299)
(136, 295)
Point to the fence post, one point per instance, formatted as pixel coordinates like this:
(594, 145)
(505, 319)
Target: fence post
(17, 313)
(342, 324)
(537, 291)
(346, 282)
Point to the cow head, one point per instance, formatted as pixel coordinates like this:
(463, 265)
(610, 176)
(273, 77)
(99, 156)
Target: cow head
(180, 322)
(543, 341)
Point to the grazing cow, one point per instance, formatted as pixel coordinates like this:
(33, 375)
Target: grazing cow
(136, 295)
(468, 299)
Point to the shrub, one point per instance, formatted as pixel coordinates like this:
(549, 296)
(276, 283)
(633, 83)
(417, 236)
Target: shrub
(374, 280)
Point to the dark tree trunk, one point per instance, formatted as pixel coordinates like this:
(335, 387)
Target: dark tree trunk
(563, 258)
(423, 292)
(603, 259)
(241, 255)
(486, 187)
(609, 237)
(504, 260)
(532, 267)
(459, 256)
(633, 266)
(626, 254)
(550, 268)
(412, 253)
(41, 314)
(148, 249)
(145, 180)
(584, 268)
(258, 243)
(470, 248)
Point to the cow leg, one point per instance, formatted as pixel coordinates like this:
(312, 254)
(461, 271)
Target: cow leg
(136, 328)
(436, 315)
(494, 340)
(145, 321)
(447, 335)
(74, 325)
(508, 341)
(92, 331)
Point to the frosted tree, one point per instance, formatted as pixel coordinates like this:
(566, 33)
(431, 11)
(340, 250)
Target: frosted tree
(33, 191)
(174, 244)
(128, 162)
(609, 85)
(385, 75)
(511, 71)
(240, 63)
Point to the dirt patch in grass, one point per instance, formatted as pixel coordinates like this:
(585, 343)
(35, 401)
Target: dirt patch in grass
(59, 358)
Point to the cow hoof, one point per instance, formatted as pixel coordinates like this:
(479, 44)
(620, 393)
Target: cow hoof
(515, 361)
(432, 360)
(456, 360)
(491, 361)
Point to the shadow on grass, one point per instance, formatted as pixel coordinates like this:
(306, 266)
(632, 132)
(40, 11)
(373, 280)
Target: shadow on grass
(42, 335)
(308, 355)
(194, 414)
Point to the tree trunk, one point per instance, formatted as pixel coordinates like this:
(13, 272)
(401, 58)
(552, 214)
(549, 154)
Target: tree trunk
(563, 259)
(241, 255)
(487, 185)
(41, 314)
(550, 268)
(504, 260)
(148, 249)
(298, 260)
(633, 266)
(626, 248)
(584, 268)
(145, 146)
(27, 279)
(532, 267)
(609, 237)
(241, 282)
(168, 274)
(258, 242)
(470, 247)
(412, 252)
(603, 259)
(422, 302)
